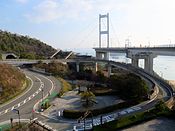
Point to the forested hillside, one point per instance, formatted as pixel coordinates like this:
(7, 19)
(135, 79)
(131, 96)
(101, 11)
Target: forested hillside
(24, 46)
(12, 81)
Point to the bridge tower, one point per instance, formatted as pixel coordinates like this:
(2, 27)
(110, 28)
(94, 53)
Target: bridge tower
(106, 29)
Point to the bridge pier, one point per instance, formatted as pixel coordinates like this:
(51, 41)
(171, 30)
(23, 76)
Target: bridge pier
(106, 55)
(149, 64)
(135, 61)
(148, 60)
(78, 66)
(102, 55)
(96, 66)
(99, 55)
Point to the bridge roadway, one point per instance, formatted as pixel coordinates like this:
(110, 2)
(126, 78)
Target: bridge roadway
(39, 81)
(165, 51)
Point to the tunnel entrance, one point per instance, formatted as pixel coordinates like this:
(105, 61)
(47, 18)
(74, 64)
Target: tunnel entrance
(10, 57)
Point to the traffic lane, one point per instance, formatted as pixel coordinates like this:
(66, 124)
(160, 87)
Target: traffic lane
(48, 85)
(26, 109)
(56, 83)
(25, 96)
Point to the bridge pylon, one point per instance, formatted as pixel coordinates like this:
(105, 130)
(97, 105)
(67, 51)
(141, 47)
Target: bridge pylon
(106, 29)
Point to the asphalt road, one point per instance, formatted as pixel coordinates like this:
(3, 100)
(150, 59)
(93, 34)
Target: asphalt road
(25, 102)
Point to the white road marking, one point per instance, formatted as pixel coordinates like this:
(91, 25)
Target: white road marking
(29, 98)
(13, 107)
(6, 111)
(52, 88)
(19, 104)
(24, 101)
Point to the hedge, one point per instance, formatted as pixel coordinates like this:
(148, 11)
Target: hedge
(78, 113)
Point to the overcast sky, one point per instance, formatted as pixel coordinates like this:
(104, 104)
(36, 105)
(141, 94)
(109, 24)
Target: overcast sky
(74, 23)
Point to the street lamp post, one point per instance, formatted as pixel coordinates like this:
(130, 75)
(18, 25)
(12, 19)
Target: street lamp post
(84, 125)
(42, 93)
(11, 121)
(91, 118)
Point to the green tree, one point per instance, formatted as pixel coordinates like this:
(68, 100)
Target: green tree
(161, 106)
(88, 97)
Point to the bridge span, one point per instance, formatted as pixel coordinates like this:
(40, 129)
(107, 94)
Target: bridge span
(136, 53)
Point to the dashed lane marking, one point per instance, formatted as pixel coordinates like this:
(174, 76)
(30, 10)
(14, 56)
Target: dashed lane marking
(19, 104)
(6, 111)
(13, 107)
(27, 99)
(24, 101)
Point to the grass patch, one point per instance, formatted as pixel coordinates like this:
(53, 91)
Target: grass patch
(65, 86)
(4, 127)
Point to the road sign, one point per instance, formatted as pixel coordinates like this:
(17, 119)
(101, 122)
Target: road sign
(15, 111)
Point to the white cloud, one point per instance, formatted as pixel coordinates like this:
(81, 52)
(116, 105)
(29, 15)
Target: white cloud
(50, 10)
(143, 20)
(45, 11)
(22, 1)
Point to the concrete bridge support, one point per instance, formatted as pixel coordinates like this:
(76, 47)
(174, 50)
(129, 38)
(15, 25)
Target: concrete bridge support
(78, 66)
(135, 61)
(149, 64)
(148, 60)
(102, 55)
(99, 55)
(106, 55)
(96, 66)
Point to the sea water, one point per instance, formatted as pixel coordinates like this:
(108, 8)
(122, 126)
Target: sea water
(164, 66)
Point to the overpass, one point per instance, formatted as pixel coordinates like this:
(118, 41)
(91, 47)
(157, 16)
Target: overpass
(136, 53)
(77, 61)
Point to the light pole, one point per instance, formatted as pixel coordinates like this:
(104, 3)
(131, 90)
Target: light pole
(84, 124)
(11, 121)
(42, 90)
(91, 118)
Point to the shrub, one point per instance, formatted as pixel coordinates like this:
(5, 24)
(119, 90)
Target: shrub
(76, 113)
